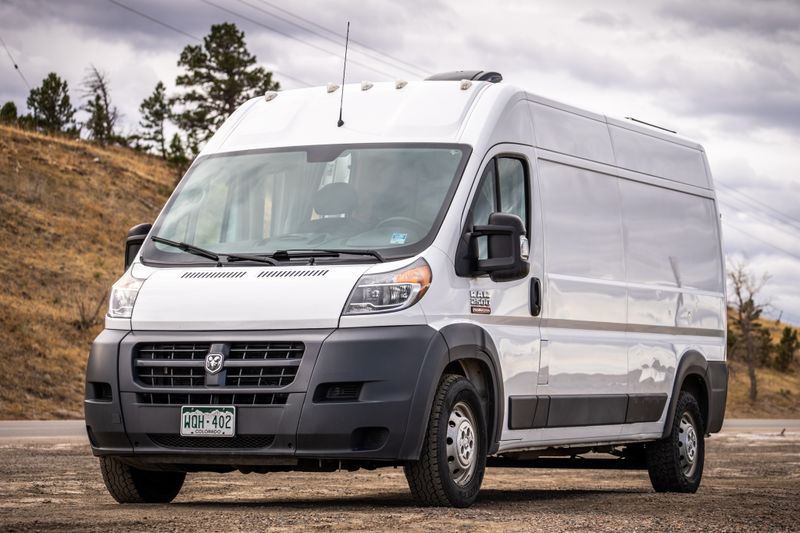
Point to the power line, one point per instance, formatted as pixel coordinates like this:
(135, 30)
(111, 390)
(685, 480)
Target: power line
(342, 36)
(193, 37)
(16, 67)
(763, 217)
(414, 70)
(153, 19)
(290, 36)
(788, 219)
(780, 249)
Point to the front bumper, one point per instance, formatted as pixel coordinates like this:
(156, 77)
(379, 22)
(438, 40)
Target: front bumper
(391, 366)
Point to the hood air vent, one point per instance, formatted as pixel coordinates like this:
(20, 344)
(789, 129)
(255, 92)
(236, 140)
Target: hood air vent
(292, 273)
(223, 274)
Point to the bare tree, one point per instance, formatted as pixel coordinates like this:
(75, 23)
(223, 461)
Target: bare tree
(745, 288)
(103, 116)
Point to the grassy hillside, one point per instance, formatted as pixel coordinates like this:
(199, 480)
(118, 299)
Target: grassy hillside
(65, 207)
(778, 393)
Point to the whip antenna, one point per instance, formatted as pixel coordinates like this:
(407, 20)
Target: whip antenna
(344, 70)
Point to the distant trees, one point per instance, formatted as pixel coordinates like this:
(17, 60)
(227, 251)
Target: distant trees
(219, 76)
(787, 347)
(103, 115)
(8, 113)
(51, 106)
(155, 111)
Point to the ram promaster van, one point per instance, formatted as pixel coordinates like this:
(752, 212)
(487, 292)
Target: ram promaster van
(460, 275)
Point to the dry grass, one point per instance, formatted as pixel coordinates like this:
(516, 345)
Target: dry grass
(65, 207)
(778, 393)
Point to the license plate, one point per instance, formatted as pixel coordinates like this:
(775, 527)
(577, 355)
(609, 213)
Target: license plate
(208, 421)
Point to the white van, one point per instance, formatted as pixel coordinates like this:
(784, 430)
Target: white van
(462, 274)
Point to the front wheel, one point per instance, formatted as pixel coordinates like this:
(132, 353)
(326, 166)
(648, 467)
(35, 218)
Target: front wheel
(450, 469)
(675, 463)
(132, 485)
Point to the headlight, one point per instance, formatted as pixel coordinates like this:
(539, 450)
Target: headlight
(123, 296)
(390, 291)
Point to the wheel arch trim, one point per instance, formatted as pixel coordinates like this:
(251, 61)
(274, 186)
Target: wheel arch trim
(692, 365)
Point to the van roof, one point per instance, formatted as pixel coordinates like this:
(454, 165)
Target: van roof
(477, 113)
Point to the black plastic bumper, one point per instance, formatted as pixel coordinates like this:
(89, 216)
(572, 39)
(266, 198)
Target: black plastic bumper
(394, 368)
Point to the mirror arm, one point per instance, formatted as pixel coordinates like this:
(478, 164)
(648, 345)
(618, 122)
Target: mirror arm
(489, 229)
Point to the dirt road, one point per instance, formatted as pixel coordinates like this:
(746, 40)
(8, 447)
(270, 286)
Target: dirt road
(752, 482)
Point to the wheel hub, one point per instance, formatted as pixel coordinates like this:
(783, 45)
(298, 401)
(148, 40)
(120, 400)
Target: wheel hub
(461, 443)
(688, 444)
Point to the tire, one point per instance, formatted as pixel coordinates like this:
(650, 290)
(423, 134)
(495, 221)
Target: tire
(132, 485)
(675, 463)
(450, 469)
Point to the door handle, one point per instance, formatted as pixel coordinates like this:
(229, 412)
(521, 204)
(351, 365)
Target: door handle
(536, 297)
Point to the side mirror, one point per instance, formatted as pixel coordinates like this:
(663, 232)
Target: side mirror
(133, 243)
(507, 248)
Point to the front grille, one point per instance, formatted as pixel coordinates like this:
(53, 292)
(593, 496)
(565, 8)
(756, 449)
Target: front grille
(266, 350)
(167, 398)
(170, 440)
(171, 365)
(181, 365)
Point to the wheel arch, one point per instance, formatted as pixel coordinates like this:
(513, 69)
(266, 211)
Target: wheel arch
(692, 376)
(472, 353)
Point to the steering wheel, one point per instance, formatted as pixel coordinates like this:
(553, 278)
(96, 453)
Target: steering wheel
(404, 220)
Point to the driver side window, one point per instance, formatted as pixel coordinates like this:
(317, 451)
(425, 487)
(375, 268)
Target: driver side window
(503, 188)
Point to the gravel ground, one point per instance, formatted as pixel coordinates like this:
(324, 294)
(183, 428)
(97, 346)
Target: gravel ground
(751, 483)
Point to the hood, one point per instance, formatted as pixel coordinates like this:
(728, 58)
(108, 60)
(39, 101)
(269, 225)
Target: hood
(246, 298)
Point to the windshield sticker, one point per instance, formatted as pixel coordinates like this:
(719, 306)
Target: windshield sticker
(480, 302)
(398, 238)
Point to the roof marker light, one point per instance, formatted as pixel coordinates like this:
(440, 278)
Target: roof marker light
(366, 85)
(270, 95)
(399, 84)
(331, 88)
(465, 84)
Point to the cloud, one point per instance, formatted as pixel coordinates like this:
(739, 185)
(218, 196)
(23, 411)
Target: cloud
(606, 19)
(725, 72)
(778, 19)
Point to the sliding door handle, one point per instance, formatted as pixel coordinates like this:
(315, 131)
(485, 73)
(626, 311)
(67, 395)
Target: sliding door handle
(536, 297)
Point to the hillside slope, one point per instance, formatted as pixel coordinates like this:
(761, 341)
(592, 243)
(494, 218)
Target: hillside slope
(65, 207)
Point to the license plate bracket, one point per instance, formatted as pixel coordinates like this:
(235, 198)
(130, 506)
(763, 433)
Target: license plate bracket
(208, 421)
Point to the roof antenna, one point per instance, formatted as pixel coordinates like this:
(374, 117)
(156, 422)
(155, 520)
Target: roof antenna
(344, 69)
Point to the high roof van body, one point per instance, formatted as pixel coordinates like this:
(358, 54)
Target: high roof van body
(461, 274)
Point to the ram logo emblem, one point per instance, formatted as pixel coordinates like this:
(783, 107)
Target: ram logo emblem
(214, 363)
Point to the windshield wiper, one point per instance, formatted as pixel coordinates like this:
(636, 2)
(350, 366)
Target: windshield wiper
(188, 248)
(245, 257)
(202, 252)
(285, 255)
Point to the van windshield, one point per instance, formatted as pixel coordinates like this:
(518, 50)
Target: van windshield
(387, 198)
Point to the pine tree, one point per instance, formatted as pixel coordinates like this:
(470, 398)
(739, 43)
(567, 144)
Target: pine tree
(176, 156)
(8, 113)
(103, 115)
(219, 76)
(51, 106)
(787, 347)
(155, 110)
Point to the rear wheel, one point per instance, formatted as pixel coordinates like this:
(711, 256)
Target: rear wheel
(675, 463)
(132, 485)
(453, 460)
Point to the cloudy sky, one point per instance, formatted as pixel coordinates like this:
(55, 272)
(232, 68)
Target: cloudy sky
(723, 72)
